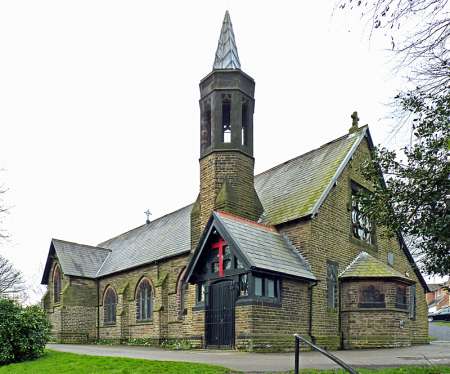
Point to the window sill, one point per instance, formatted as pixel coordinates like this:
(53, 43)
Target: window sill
(361, 243)
(255, 300)
(109, 324)
(144, 321)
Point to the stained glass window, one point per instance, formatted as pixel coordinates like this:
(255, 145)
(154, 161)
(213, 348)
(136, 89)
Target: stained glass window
(361, 225)
(371, 297)
(144, 301)
(109, 306)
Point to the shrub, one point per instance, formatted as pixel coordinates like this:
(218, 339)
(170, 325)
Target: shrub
(24, 332)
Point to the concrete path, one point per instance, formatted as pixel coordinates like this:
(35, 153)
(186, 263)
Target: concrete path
(440, 332)
(435, 353)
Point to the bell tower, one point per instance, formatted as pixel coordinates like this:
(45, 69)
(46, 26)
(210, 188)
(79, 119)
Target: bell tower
(226, 136)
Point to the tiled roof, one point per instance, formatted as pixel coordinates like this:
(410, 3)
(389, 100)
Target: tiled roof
(297, 187)
(79, 259)
(164, 237)
(263, 247)
(367, 266)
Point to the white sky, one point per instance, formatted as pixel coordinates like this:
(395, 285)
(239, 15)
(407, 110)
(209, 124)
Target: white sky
(99, 116)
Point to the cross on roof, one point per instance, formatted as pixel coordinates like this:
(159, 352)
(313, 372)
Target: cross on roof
(148, 214)
(355, 122)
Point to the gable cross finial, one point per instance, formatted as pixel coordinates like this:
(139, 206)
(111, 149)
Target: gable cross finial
(355, 122)
(148, 214)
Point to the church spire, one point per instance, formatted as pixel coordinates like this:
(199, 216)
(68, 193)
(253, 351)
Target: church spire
(226, 55)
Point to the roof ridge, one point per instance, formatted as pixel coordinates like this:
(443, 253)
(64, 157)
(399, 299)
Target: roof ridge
(249, 221)
(310, 151)
(145, 224)
(81, 244)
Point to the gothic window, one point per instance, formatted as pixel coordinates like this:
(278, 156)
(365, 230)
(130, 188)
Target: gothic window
(243, 285)
(181, 294)
(201, 292)
(57, 285)
(332, 284)
(226, 118)
(412, 301)
(361, 225)
(144, 307)
(244, 130)
(371, 297)
(109, 306)
(400, 298)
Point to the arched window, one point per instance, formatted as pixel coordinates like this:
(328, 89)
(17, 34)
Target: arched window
(144, 307)
(57, 284)
(109, 306)
(181, 295)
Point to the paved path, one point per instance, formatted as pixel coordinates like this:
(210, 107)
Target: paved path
(435, 353)
(440, 332)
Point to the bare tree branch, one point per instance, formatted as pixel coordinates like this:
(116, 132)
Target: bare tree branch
(419, 32)
(11, 280)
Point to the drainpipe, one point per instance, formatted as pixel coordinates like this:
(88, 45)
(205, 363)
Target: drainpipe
(310, 289)
(98, 310)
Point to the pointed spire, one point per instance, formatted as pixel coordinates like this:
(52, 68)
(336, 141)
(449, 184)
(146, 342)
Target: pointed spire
(226, 55)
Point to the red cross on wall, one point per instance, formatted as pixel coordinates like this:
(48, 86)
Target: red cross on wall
(220, 245)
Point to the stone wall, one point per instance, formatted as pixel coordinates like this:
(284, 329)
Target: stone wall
(265, 326)
(168, 321)
(239, 197)
(373, 327)
(328, 236)
(73, 318)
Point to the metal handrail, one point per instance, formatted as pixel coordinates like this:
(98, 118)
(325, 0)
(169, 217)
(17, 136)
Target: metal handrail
(341, 363)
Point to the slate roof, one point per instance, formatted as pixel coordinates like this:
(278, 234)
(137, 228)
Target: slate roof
(288, 191)
(263, 247)
(76, 259)
(226, 55)
(367, 266)
(297, 187)
(164, 237)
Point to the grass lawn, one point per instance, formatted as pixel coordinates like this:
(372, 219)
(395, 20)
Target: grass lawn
(441, 323)
(62, 363)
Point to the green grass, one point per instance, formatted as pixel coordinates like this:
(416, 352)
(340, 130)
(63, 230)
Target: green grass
(441, 323)
(62, 363)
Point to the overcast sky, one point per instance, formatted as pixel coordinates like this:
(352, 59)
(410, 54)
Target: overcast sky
(99, 115)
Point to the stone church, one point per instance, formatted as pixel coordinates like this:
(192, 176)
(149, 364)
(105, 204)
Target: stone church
(255, 259)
